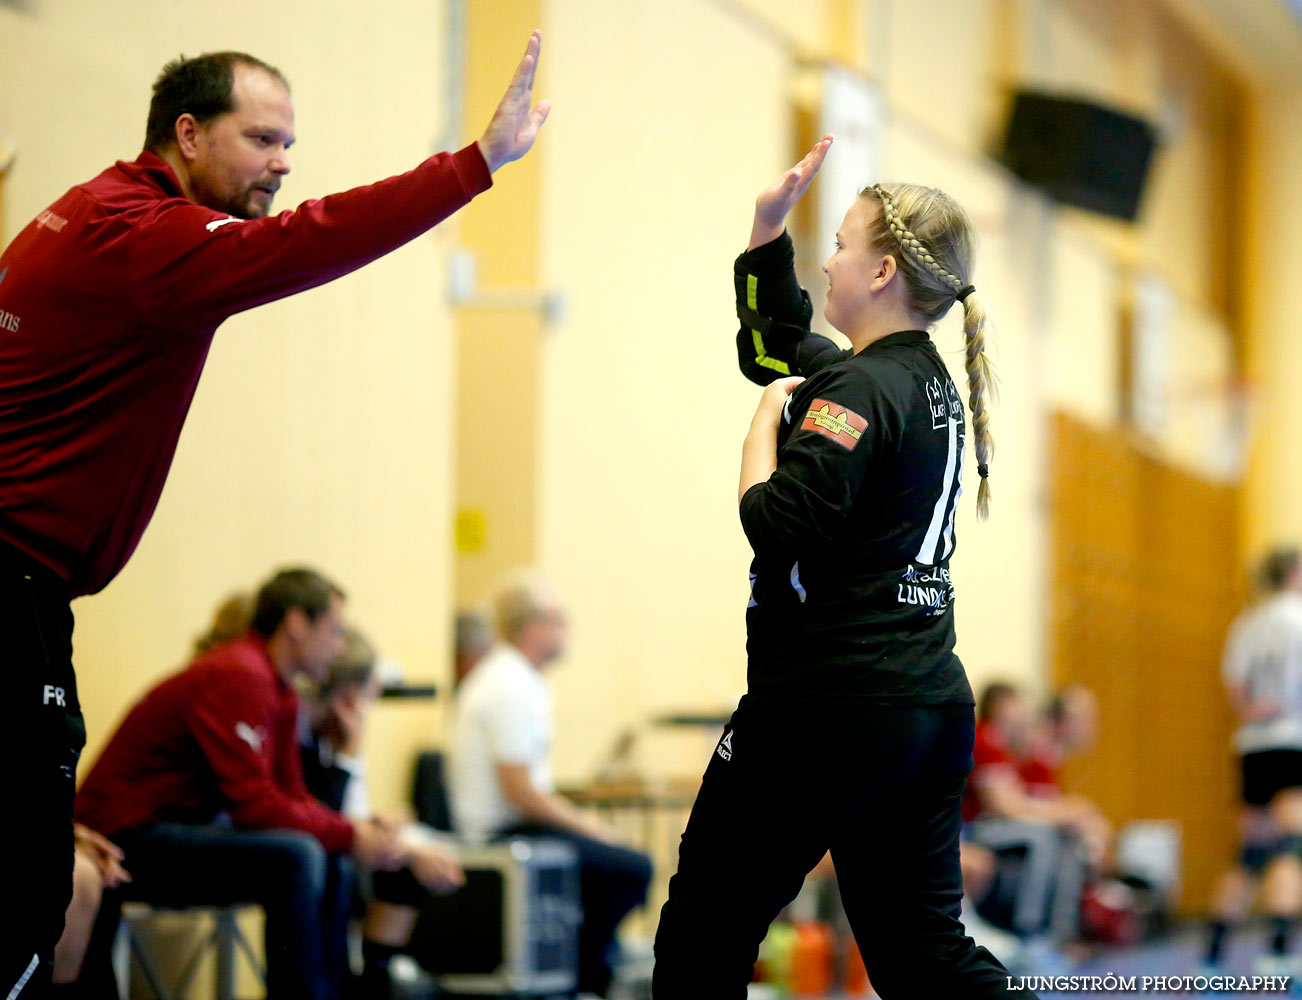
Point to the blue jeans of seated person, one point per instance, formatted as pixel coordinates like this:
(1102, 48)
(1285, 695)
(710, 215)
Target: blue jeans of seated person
(304, 892)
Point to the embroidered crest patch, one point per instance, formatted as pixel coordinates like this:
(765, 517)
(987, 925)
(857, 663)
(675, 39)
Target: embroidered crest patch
(843, 426)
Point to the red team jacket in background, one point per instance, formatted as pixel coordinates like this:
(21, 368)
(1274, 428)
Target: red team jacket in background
(1037, 770)
(221, 736)
(108, 303)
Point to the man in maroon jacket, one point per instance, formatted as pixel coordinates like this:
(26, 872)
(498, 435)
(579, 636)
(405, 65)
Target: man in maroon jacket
(202, 787)
(109, 300)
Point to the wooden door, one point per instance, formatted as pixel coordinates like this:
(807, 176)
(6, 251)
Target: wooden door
(1145, 579)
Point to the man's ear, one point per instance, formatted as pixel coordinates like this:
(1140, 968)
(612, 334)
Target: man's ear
(295, 623)
(188, 136)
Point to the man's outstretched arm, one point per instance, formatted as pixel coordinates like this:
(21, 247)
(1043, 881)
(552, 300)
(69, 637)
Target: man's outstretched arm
(188, 261)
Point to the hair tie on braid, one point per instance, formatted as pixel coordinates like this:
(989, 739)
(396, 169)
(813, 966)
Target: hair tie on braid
(983, 471)
(964, 292)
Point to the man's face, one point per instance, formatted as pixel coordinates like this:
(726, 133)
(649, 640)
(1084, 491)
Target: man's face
(241, 156)
(548, 632)
(1080, 721)
(318, 643)
(1014, 720)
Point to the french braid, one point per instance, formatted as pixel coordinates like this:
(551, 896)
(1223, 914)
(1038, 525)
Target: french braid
(936, 270)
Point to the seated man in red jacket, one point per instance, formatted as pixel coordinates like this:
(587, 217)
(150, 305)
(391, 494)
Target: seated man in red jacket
(1008, 809)
(202, 788)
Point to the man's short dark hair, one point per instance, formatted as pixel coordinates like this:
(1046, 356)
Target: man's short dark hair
(292, 588)
(202, 86)
(1278, 567)
(992, 697)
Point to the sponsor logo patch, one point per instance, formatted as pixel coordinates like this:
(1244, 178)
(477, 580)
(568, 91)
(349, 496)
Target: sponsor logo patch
(48, 220)
(251, 736)
(216, 224)
(832, 420)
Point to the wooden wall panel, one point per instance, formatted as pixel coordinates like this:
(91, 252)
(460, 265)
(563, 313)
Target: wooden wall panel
(1144, 582)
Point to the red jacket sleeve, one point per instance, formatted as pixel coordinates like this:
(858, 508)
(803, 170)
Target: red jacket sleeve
(235, 726)
(287, 767)
(191, 265)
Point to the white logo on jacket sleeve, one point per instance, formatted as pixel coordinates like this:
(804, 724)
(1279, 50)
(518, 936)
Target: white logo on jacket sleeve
(724, 749)
(249, 735)
(216, 224)
(937, 404)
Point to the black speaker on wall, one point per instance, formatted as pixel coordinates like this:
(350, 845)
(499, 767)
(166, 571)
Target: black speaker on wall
(1082, 153)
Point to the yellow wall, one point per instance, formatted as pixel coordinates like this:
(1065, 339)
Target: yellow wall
(1274, 303)
(498, 344)
(648, 192)
(321, 429)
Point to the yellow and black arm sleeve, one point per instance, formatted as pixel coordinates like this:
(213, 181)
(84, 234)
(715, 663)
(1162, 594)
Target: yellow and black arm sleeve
(774, 339)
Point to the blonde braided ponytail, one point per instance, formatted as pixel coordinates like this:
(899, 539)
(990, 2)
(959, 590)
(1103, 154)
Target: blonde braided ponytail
(935, 266)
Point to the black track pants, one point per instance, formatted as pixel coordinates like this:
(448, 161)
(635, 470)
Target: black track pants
(41, 737)
(878, 786)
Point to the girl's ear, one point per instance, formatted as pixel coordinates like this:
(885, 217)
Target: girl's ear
(884, 272)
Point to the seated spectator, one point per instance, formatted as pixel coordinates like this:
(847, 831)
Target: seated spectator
(97, 862)
(1003, 816)
(501, 771)
(333, 767)
(230, 621)
(202, 788)
(335, 773)
(1068, 726)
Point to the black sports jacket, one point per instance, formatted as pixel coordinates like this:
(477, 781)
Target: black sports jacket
(850, 587)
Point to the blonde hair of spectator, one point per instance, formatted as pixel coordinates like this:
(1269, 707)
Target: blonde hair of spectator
(526, 596)
(230, 620)
(354, 667)
(938, 242)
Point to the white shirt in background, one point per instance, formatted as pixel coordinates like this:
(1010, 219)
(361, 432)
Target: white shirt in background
(357, 794)
(1263, 655)
(504, 715)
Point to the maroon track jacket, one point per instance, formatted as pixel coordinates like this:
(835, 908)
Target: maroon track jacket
(221, 736)
(108, 303)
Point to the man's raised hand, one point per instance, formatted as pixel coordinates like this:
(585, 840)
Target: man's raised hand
(516, 123)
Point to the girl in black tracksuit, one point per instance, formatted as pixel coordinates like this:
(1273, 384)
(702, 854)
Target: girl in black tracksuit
(856, 733)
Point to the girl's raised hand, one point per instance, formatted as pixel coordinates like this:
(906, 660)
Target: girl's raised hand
(776, 200)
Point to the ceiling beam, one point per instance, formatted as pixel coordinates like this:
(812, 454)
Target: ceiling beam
(1261, 40)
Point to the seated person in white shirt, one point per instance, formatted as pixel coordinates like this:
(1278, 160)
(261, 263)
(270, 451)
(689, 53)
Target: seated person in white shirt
(501, 770)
